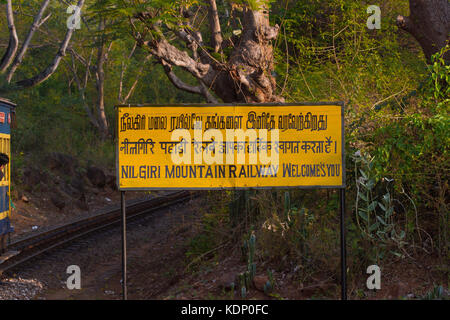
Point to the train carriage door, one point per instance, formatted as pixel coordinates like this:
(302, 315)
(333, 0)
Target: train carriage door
(4, 182)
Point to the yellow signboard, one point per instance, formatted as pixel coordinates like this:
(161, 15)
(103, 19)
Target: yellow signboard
(230, 146)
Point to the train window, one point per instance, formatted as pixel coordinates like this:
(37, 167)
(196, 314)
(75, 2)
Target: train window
(4, 148)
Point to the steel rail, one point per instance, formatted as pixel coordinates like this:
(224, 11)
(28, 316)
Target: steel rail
(36, 245)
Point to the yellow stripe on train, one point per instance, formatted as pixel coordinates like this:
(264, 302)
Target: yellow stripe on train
(4, 215)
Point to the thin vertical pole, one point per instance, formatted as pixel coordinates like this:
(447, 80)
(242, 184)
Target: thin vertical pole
(343, 247)
(124, 245)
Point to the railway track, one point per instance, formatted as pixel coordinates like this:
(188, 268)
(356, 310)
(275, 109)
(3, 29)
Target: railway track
(28, 248)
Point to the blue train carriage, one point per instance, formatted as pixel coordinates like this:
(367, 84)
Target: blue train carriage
(7, 112)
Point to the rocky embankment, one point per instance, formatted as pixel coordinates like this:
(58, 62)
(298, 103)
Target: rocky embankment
(65, 182)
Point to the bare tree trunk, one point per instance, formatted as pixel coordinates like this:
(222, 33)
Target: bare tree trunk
(102, 57)
(429, 24)
(252, 60)
(216, 36)
(13, 39)
(247, 76)
(100, 82)
(123, 71)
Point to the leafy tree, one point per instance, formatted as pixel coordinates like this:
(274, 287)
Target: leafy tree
(13, 57)
(236, 64)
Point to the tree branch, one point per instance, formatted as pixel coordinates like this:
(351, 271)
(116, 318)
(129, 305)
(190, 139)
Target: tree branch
(192, 40)
(88, 69)
(13, 39)
(44, 20)
(36, 24)
(214, 23)
(136, 81)
(82, 90)
(163, 50)
(78, 56)
(179, 84)
(44, 75)
(207, 94)
(124, 69)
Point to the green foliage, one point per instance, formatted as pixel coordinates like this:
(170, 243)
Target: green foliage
(412, 148)
(206, 240)
(330, 54)
(298, 221)
(242, 209)
(246, 277)
(43, 120)
(297, 230)
(287, 203)
(253, 4)
(268, 287)
(214, 231)
(396, 110)
(437, 293)
(438, 85)
(375, 216)
(157, 13)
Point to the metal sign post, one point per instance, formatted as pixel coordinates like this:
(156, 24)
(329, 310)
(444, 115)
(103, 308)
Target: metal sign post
(124, 245)
(343, 247)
